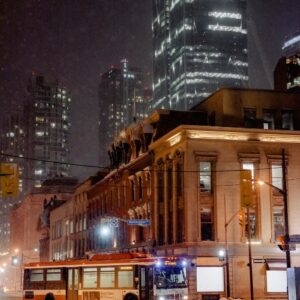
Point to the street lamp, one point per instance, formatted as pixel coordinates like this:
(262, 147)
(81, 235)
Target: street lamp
(104, 231)
(226, 249)
(221, 254)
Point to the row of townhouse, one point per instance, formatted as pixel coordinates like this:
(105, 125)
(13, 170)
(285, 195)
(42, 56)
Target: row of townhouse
(180, 173)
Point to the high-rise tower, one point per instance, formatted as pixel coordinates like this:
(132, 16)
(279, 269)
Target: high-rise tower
(36, 137)
(287, 71)
(48, 128)
(199, 47)
(122, 101)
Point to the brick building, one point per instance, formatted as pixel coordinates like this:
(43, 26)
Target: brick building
(186, 181)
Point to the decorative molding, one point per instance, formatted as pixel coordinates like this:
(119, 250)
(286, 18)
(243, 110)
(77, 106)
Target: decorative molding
(249, 157)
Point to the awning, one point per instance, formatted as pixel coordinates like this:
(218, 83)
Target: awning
(275, 264)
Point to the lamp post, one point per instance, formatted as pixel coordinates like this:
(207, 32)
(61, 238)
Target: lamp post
(227, 249)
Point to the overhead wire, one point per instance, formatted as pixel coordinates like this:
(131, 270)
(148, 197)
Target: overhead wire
(119, 169)
(116, 169)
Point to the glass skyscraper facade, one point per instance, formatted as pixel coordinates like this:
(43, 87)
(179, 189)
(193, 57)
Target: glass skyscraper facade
(122, 101)
(199, 47)
(287, 71)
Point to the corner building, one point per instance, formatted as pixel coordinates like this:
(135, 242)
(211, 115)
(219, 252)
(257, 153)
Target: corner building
(199, 47)
(186, 180)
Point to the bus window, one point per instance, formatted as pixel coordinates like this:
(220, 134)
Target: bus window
(75, 278)
(143, 279)
(107, 277)
(37, 275)
(125, 277)
(53, 275)
(90, 278)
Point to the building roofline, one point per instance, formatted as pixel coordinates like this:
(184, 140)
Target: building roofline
(221, 90)
(254, 134)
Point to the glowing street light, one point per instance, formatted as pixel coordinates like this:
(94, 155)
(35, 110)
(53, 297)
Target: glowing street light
(221, 254)
(104, 231)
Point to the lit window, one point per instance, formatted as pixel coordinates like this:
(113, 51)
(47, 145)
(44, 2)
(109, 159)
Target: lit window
(39, 133)
(205, 176)
(277, 175)
(107, 277)
(276, 281)
(125, 279)
(288, 119)
(268, 119)
(89, 277)
(278, 221)
(53, 275)
(37, 275)
(38, 172)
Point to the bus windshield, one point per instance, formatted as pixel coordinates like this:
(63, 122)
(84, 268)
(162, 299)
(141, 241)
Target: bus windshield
(170, 277)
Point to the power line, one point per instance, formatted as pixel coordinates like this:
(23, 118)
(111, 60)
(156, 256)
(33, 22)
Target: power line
(52, 161)
(119, 169)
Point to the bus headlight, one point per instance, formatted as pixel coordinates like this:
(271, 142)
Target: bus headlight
(161, 298)
(185, 297)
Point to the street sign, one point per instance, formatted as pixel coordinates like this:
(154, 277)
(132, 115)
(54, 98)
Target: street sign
(139, 222)
(294, 239)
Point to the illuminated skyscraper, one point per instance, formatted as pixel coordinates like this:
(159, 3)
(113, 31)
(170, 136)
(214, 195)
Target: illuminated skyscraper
(199, 47)
(122, 101)
(48, 128)
(287, 71)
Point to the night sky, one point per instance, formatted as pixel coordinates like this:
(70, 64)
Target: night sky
(76, 40)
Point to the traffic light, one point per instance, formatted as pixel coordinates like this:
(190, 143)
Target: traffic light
(282, 243)
(242, 222)
(9, 179)
(246, 188)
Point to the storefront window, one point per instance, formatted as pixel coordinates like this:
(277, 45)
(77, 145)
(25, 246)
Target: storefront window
(276, 281)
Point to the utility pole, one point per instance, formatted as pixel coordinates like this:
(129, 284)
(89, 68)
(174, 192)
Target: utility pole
(246, 181)
(250, 253)
(286, 213)
(227, 248)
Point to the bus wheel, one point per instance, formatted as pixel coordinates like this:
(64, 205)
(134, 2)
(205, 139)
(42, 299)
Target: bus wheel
(131, 297)
(49, 296)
